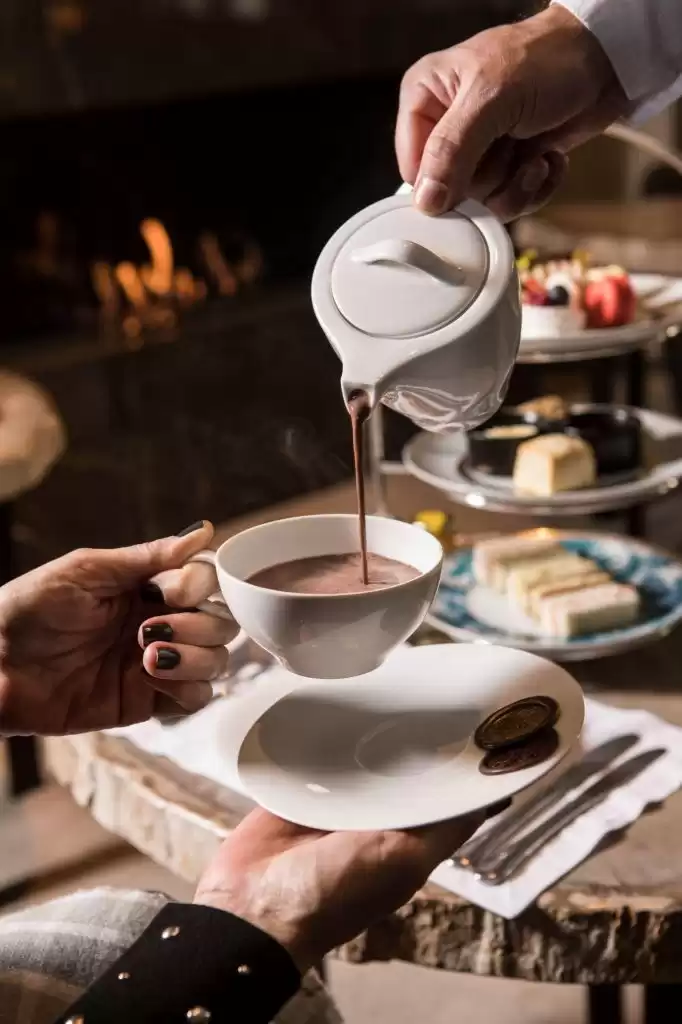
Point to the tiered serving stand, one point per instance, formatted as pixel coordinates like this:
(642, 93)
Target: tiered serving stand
(441, 461)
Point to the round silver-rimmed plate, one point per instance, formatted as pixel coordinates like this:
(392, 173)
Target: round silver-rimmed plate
(589, 344)
(658, 294)
(505, 484)
(442, 462)
(466, 611)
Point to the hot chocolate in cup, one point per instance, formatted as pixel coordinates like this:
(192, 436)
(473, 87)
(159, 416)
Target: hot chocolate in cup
(308, 629)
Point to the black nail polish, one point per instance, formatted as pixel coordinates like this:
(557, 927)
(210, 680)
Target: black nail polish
(159, 631)
(167, 658)
(151, 594)
(190, 529)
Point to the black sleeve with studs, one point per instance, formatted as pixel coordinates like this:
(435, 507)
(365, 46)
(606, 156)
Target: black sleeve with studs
(192, 964)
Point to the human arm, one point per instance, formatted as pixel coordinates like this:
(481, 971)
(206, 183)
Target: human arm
(86, 642)
(493, 117)
(51, 953)
(192, 963)
(275, 899)
(643, 42)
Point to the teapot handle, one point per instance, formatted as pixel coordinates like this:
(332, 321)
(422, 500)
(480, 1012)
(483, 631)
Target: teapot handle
(404, 253)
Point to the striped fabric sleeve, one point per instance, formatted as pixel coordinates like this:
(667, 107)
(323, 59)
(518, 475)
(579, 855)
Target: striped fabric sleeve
(50, 954)
(643, 41)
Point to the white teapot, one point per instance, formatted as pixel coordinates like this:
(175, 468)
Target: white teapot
(424, 312)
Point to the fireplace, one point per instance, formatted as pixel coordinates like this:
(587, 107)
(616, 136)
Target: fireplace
(161, 223)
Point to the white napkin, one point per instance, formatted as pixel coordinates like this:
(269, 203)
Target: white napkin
(206, 744)
(577, 841)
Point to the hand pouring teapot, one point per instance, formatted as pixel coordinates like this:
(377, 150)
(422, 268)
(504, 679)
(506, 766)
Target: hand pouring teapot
(424, 312)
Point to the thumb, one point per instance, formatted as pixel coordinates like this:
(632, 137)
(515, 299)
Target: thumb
(118, 569)
(454, 150)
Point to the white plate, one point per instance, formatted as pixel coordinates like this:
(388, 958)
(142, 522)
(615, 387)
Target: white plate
(505, 484)
(658, 292)
(441, 461)
(468, 612)
(655, 291)
(615, 339)
(394, 748)
(661, 295)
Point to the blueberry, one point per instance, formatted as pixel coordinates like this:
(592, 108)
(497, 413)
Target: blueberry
(557, 296)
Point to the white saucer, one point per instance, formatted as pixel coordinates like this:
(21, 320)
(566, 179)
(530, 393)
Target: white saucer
(394, 748)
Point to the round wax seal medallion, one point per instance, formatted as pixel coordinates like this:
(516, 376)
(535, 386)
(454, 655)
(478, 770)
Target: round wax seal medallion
(516, 722)
(527, 754)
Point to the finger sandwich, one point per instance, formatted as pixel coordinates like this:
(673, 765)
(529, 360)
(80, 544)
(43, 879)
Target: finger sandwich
(523, 579)
(566, 586)
(589, 610)
(493, 558)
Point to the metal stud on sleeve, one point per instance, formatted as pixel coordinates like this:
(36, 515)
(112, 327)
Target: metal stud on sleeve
(170, 933)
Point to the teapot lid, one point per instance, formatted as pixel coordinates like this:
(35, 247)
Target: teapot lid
(401, 274)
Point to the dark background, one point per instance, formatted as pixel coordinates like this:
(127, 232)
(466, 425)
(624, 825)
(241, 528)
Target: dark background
(265, 122)
(61, 55)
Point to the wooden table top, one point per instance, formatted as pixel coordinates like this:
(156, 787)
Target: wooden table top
(616, 918)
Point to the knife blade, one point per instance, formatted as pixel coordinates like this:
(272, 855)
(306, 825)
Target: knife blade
(481, 847)
(528, 845)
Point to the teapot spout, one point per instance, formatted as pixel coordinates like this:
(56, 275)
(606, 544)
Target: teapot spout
(350, 387)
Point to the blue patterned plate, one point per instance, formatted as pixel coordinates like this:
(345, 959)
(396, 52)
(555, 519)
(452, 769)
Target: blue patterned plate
(466, 611)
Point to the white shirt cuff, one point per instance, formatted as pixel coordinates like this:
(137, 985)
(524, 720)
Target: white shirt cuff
(643, 41)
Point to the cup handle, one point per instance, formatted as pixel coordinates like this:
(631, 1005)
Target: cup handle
(216, 605)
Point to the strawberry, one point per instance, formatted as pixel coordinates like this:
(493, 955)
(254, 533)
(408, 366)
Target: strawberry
(534, 293)
(609, 301)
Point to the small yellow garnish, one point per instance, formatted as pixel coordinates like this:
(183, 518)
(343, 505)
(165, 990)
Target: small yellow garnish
(526, 259)
(439, 524)
(432, 520)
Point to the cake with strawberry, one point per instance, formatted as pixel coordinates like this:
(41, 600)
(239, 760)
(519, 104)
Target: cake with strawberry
(563, 296)
(609, 298)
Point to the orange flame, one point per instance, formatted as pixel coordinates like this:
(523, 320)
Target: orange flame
(148, 290)
(157, 278)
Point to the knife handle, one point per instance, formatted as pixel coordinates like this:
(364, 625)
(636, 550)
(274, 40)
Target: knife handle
(526, 847)
(467, 855)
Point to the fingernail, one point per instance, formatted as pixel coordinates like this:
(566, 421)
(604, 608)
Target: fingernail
(498, 808)
(191, 529)
(152, 594)
(159, 631)
(534, 176)
(431, 196)
(167, 658)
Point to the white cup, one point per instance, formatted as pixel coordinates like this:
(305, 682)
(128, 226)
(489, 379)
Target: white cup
(325, 636)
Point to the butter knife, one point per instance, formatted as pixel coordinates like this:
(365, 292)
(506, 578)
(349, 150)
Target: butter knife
(480, 848)
(528, 845)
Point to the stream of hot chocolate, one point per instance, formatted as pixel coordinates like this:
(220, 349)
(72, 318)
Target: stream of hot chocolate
(359, 409)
